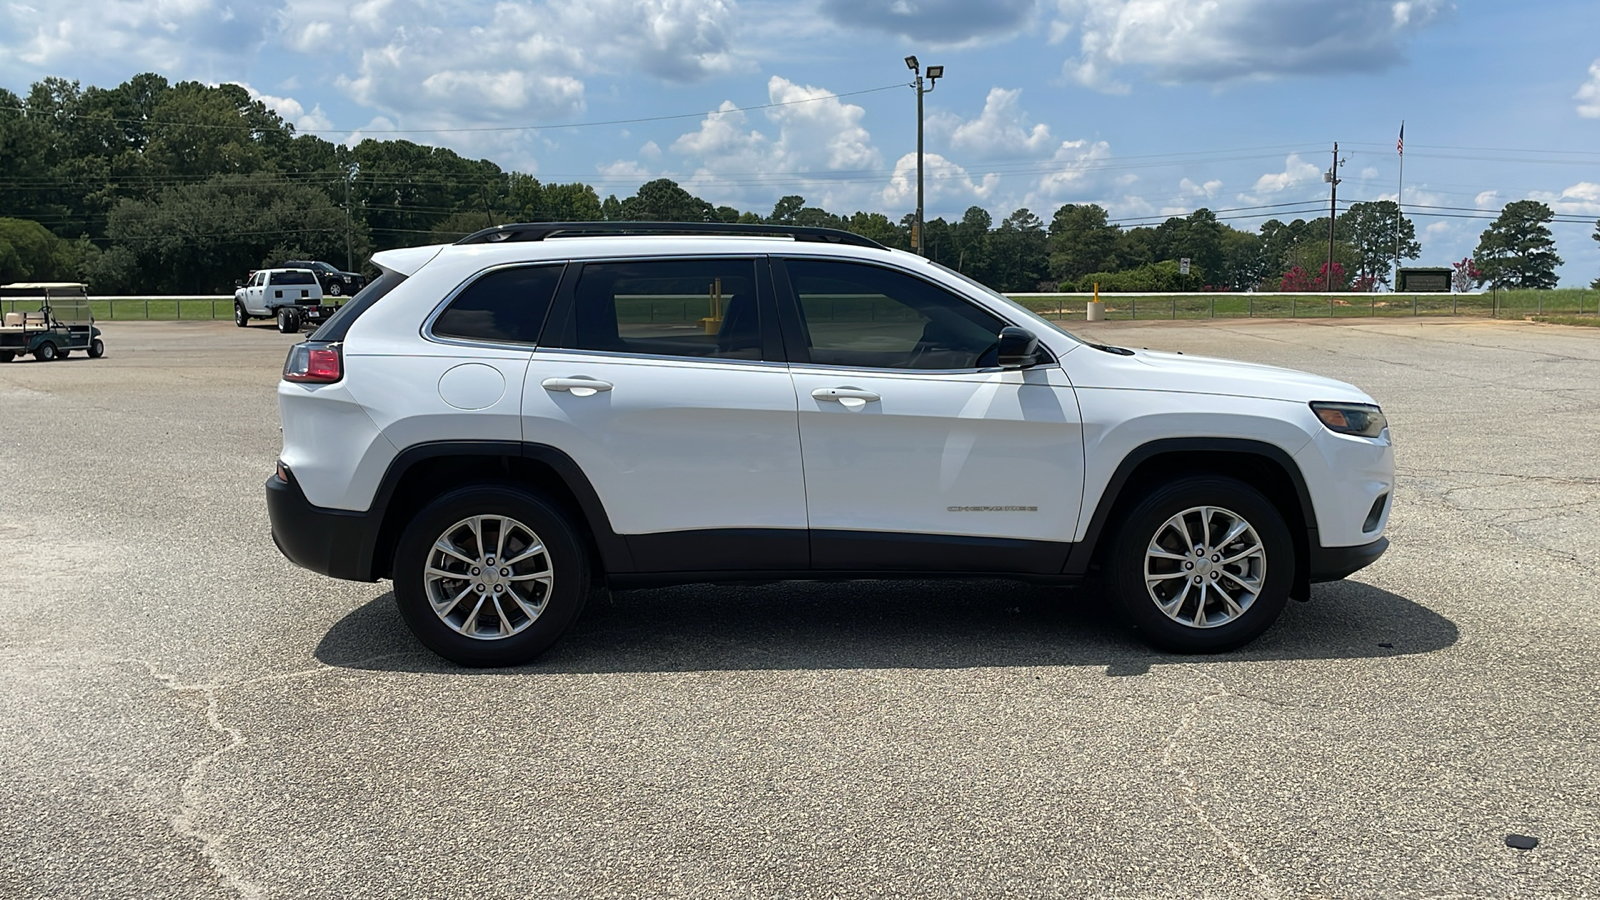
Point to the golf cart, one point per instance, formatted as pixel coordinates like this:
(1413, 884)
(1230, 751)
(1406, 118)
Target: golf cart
(47, 319)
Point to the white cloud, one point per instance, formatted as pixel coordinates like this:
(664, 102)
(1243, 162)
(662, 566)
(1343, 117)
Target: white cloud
(1208, 190)
(1296, 172)
(1581, 199)
(159, 34)
(1487, 199)
(293, 111)
(1072, 173)
(1588, 96)
(939, 21)
(946, 183)
(817, 134)
(1002, 128)
(1225, 40)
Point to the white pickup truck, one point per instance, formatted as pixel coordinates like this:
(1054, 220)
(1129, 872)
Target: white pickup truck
(292, 296)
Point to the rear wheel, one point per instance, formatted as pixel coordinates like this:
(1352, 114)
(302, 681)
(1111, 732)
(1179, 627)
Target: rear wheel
(45, 352)
(489, 575)
(7, 355)
(240, 317)
(97, 348)
(288, 321)
(1190, 566)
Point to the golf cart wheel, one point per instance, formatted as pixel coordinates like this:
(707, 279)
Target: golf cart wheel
(288, 321)
(240, 317)
(45, 352)
(7, 355)
(97, 349)
(63, 354)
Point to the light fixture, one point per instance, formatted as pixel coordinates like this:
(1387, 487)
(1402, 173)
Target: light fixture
(911, 63)
(935, 72)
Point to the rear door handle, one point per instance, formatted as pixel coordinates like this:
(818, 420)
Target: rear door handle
(579, 386)
(843, 394)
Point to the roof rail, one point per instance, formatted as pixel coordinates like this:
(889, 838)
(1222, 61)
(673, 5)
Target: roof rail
(538, 231)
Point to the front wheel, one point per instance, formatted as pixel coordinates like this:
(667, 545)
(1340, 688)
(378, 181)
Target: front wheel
(97, 348)
(489, 575)
(1202, 564)
(336, 289)
(240, 317)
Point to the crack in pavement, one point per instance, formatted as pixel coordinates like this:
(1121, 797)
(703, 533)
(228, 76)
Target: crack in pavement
(184, 821)
(1191, 791)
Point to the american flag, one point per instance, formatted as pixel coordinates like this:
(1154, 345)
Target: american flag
(1400, 145)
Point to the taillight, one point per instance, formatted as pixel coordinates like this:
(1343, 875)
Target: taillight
(314, 363)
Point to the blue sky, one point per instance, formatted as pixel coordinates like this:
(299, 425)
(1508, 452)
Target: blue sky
(1149, 107)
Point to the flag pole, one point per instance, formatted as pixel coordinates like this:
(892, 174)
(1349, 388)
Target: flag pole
(1400, 193)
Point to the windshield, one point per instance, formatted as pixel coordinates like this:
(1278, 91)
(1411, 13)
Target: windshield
(1010, 303)
(323, 267)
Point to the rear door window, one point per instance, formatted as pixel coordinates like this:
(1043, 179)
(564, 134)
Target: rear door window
(703, 308)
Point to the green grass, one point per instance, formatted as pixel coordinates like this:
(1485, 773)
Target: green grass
(1509, 304)
(1588, 321)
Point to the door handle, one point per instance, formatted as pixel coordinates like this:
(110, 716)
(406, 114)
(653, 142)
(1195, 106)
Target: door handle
(841, 394)
(578, 386)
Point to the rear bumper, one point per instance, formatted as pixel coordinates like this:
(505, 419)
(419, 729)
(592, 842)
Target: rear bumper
(332, 542)
(1334, 563)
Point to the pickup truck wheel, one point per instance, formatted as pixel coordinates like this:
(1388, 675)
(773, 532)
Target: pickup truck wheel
(336, 289)
(1190, 565)
(45, 352)
(489, 575)
(288, 321)
(97, 348)
(240, 317)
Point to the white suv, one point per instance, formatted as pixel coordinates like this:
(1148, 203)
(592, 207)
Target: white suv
(501, 424)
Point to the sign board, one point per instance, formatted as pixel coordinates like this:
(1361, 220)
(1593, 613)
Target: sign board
(1424, 281)
(1183, 266)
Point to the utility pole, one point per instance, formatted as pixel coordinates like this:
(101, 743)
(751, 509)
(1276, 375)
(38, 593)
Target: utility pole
(349, 254)
(934, 74)
(1332, 178)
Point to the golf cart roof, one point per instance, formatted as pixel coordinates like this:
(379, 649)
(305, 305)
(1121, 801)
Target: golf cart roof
(25, 288)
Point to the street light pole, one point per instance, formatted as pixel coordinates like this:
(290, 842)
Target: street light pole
(918, 229)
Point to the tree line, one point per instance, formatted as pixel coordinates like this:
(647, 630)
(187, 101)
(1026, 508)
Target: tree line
(180, 188)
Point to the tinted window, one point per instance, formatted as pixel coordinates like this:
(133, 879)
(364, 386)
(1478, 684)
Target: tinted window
(506, 305)
(705, 308)
(339, 324)
(293, 278)
(867, 316)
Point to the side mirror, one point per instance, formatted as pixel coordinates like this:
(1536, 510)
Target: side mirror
(1018, 348)
(237, 283)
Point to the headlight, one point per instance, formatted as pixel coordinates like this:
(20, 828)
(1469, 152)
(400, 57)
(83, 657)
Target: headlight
(1360, 419)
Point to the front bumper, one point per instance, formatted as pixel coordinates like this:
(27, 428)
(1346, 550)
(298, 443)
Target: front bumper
(1334, 563)
(332, 542)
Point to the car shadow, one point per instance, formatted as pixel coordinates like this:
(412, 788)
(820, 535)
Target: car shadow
(883, 625)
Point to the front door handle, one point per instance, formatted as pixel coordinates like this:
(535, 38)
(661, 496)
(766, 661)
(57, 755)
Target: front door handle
(849, 396)
(579, 386)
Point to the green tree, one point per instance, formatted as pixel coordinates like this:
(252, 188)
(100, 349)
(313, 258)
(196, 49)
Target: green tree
(785, 210)
(1081, 241)
(1197, 237)
(969, 239)
(663, 200)
(877, 227)
(200, 238)
(1518, 250)
(1242, 261)
(29, 252)
(1369, 228)
(1596, 283)
(1020, 252)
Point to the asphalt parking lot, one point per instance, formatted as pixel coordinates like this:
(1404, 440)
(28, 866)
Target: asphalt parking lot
(186, 714)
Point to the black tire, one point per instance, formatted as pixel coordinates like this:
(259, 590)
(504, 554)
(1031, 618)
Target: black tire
(7, 355)
(336, 289)
(1146, 524)
(288, 321)
(45, 352)
(240, 317)
(63, 354)
(97, 348)
(564, 558)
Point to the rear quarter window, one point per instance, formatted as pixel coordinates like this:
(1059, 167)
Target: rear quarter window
(501, 306)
